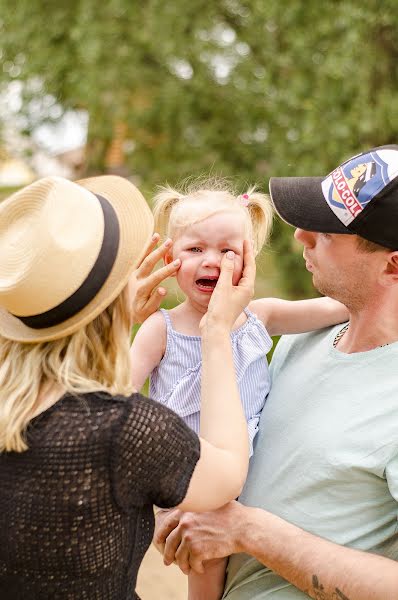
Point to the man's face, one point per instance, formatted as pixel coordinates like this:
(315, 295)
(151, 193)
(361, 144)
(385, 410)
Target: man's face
(339, 268)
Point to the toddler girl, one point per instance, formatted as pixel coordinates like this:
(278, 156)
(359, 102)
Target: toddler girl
(205, 222)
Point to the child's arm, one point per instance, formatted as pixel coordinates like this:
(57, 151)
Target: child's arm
(147, 349)
(209, 585)
(284, 316)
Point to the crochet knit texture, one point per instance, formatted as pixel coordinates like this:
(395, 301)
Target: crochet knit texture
(76, 515)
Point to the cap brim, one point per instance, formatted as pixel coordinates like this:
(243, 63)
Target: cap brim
(136, 226)
(300, 202)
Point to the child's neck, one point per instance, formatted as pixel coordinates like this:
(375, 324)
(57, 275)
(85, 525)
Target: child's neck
(186, 318)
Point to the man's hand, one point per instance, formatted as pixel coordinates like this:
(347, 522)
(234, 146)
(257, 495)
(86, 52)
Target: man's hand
(145, 295)
(190, 539)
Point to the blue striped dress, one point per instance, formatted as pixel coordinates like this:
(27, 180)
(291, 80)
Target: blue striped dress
(176, 381)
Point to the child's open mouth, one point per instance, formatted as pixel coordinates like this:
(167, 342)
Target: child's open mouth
(207, 284)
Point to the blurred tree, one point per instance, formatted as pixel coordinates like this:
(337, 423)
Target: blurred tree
(239, 87)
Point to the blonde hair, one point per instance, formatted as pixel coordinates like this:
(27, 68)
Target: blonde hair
(94, 358)
(174, 210)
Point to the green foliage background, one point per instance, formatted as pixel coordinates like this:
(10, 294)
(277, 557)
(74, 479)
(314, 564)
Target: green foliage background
(247, 89)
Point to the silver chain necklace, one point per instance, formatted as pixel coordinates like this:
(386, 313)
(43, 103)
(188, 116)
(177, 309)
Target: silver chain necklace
(340, 334)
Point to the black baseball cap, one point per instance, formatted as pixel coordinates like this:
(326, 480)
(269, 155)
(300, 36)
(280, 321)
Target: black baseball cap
(359, 197)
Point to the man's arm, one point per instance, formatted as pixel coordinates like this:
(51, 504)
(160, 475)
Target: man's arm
(320, 568)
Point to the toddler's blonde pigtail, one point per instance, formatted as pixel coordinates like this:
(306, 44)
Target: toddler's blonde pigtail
(261, 215)
(163, 203)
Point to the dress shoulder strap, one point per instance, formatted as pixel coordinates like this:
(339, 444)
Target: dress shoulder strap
(166, 316)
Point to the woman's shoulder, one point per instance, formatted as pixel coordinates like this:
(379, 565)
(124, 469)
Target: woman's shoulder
(94, 407)
(101, 401)
(140, 407)
(101, 411)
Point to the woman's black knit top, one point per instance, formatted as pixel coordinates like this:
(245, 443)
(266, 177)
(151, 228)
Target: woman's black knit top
(76, 514)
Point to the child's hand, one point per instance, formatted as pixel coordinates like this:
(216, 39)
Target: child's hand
(146, 297)
(227, 300)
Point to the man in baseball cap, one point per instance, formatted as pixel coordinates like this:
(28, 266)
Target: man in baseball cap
(318, 514)
(359, 197)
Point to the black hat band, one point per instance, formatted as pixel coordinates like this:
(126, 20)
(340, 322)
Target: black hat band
(94, 280)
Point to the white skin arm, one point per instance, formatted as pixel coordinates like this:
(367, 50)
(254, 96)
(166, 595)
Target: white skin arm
(218, 467)
(221, 470)
(285, 316)
(147, 349)
(320, 568)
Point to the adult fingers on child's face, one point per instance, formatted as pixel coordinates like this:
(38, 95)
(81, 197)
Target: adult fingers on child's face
(150, 246)
(152, 257)
(226, 268)
(154, 279)
(249, 263)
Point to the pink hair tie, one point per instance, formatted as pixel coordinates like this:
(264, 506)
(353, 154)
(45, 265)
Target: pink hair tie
(244, 200)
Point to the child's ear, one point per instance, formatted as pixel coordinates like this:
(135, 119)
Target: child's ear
(168, 258)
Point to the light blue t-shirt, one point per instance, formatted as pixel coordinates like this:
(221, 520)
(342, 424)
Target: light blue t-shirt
(326, 455)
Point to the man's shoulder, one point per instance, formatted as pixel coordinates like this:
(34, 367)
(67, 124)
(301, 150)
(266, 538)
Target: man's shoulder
(309, 338)
(300, 345)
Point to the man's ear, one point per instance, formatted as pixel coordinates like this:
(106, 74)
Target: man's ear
(392, 268)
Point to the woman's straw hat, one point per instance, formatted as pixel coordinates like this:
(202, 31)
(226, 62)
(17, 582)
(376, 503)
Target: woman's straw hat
(66, 252)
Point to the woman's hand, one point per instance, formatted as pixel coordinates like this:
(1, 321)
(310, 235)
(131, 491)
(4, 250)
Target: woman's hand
(145, 295)
(227, 301)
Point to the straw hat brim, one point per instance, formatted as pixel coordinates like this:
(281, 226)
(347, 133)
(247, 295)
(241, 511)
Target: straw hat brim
(136, 226)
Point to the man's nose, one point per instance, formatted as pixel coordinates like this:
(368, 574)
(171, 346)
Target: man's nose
(307, 238)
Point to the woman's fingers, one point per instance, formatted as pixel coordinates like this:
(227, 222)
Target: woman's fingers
(152, 304)
(152, 256)
(227, 268)
(154, 279)
(146, 298)
(224, 283)
(247, 280)
(151, 244)
(249, 264)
